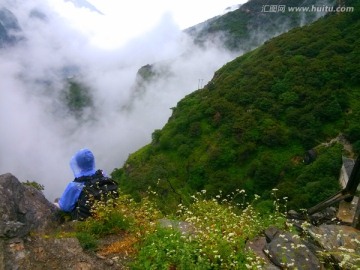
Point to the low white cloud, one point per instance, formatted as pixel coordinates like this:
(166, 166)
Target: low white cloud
(39, 135)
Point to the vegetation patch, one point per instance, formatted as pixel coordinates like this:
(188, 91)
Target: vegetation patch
(253, 124)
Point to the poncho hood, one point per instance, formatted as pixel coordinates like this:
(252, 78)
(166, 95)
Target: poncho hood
(83, 163)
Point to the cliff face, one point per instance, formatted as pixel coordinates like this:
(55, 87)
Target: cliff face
(32, 236)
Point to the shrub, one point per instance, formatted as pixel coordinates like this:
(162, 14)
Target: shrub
(221, 228)
(34, 184)
(123, 214)
(87, 240)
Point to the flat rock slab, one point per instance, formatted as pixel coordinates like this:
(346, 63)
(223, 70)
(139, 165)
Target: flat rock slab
(288, 251)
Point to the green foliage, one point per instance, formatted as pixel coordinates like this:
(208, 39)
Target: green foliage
(236, 29)
(217, 241)
(356, 147)
(107, 219)
(87, 240)
(132, 220)
(319, 180)
(167, 249)
(251, 125)
(77, 98)
(265, 173)
(208, 233)
(99, 227)
(146, 73)
(34, 184)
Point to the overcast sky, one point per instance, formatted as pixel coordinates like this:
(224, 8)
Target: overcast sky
(123, 20)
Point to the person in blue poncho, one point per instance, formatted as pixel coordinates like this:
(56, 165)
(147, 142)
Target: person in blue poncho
(88, 187)
(82, 164)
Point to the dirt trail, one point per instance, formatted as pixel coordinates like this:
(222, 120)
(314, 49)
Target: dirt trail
(342, 140)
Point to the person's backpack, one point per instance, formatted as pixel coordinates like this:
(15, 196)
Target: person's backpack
(98, 187)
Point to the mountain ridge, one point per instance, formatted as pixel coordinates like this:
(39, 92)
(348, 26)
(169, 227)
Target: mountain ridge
(250, 25)
(238, 31)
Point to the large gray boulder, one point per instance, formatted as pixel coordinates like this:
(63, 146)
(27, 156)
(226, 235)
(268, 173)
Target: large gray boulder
(29, 239)
(23, 209)
(288, 251)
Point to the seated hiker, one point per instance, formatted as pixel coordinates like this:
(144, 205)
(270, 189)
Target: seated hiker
(88, 186)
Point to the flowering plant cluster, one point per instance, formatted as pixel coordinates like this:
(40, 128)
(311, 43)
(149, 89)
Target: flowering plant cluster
(220, 231)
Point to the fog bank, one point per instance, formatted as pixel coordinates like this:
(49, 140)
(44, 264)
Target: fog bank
(39, 133)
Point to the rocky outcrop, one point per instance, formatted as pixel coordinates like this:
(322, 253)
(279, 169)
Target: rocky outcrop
(23, 209)
(340, 243)
(41, 253)
(34, 237)
(287, 250)
(181, 226)
(327, 246)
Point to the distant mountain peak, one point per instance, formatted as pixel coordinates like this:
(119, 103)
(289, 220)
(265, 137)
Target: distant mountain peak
(9, 28)
(84, 4)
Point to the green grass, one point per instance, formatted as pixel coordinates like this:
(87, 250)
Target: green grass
(218, 229)
(221, 228)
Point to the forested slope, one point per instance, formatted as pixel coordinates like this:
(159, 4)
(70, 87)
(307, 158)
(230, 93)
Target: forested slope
(250, 25)
(251, 125)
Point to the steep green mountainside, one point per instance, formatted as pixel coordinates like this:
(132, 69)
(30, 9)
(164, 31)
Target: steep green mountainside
(238, 31)
(253, 23)
(251, 125)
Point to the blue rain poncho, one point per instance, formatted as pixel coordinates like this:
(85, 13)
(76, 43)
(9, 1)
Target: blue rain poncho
(82, 164)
